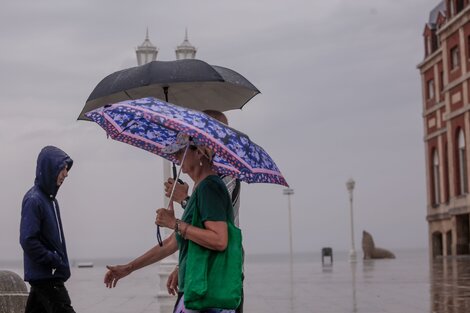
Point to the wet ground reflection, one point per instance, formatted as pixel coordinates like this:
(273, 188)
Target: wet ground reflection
(408, 284)
(450, 285)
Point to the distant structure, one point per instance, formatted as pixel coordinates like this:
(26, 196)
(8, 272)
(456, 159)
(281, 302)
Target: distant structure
(445, 77)
(185, 50)
(326, 252)
(371, 251)
(146, 52)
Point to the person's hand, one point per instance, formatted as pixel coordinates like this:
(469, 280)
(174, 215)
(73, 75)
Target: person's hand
(172, 282)
(181, 190)
(115, 273)
(166, 217)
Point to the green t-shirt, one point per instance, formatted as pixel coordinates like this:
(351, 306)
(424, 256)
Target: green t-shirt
(212, 201)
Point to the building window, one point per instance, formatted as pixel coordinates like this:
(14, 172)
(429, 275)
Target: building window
(430, 89)
(431, 42)
(468, 47)
(428, 45)
(435, 178)
(441, 82)
(460, 5)
(462, 162)
(446, 173)
(454, 58)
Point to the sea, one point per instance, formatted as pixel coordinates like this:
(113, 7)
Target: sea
(411, 283)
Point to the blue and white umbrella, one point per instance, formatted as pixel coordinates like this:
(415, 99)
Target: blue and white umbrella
(152, 124)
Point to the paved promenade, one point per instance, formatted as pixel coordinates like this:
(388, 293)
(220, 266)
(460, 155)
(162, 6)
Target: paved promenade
(408, 284)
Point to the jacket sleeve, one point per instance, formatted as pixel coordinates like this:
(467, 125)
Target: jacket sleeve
(30, 236)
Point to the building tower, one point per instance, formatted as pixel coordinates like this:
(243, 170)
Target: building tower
(185, 50)
(146, 52)
(445, 77)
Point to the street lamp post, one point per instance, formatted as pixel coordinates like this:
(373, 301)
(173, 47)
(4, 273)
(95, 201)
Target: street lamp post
(288, 192)
(350, 185)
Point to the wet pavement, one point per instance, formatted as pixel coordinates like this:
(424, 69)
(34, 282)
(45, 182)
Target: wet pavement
(408, 284)
(450, 285)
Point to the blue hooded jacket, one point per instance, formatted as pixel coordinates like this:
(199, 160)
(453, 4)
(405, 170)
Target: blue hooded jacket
(41, 232)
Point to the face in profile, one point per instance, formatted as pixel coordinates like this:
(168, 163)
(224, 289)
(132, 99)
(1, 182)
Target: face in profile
(62, 175)
(191, 158)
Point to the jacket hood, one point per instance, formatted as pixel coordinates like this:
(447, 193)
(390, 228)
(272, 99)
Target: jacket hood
(51, 161)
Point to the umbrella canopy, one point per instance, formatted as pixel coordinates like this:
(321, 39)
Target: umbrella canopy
(190, 83)
(152, 125)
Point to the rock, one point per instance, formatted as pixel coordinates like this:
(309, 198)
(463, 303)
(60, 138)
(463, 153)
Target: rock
(371, 251)
(13, 293)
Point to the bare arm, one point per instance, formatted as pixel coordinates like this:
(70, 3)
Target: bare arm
(155, 254)
(214, 236)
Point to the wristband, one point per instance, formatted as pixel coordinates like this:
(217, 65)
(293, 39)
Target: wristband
(177, 226)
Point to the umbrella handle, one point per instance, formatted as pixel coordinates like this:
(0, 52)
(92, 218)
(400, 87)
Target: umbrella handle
(174, 175)
(159, 236)
(174, 171)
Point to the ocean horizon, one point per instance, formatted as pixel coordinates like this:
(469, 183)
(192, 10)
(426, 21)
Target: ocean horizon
(309, 256)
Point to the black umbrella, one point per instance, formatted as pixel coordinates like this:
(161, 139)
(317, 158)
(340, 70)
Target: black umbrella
(189, 83)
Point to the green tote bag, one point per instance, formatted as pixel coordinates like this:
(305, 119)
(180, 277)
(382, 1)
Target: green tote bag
(213, 279)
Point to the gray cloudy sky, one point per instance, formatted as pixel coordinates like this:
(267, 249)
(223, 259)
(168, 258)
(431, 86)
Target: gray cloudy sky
(341, 97)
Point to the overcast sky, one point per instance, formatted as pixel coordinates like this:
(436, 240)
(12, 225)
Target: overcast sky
(341, 98)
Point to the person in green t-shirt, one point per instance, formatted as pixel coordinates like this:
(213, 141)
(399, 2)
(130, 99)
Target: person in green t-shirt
(181, 195)
(211, 200)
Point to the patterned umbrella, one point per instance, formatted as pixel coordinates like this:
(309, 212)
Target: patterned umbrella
(152, 125)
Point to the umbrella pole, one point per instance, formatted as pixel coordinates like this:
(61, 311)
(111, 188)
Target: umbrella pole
(165, 91)
(159, 237)
(177, 176)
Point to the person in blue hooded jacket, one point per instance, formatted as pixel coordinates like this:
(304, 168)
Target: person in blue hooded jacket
(46, 265)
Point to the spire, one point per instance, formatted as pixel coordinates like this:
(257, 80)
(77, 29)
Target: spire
(146, 52)
(185, 50)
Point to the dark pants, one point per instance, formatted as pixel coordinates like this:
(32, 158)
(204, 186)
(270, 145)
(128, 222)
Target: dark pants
(48, 297)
